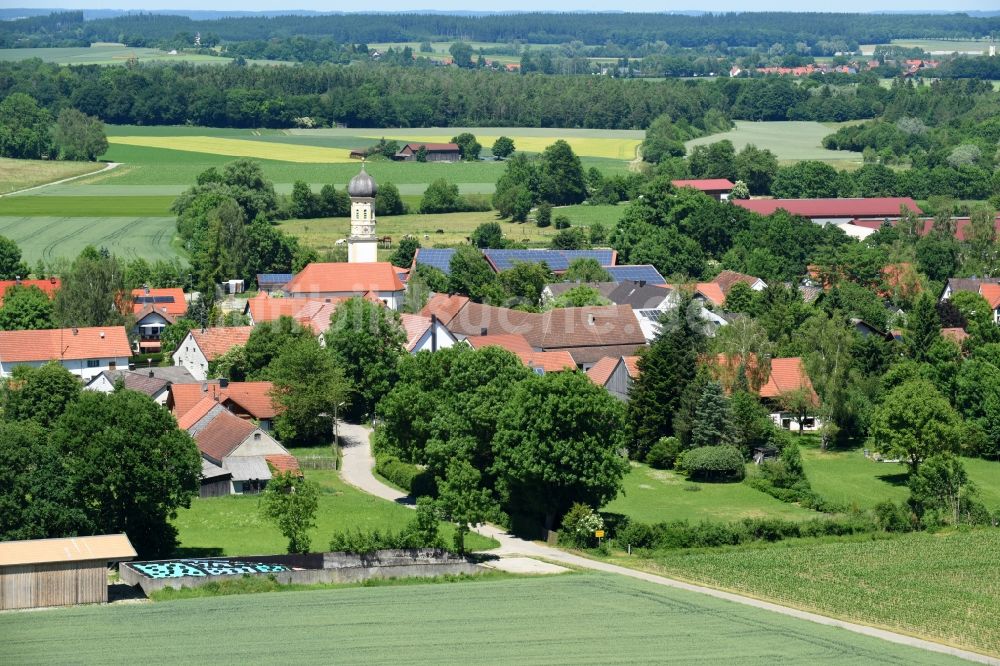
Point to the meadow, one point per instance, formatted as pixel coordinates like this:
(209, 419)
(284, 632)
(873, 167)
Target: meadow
(21, 174)
(51, 237)
(651, 496)
(578, 618)
(937, 46)
(790, 141)
(233, 525)
(939, 586)
(104, 54)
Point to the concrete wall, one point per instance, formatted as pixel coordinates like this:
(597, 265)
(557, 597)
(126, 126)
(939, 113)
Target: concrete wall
(329, 568)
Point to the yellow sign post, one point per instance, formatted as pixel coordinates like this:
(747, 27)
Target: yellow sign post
(599, 534)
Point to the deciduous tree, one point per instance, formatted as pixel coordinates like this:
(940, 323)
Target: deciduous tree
(915, 422)
(291, 502)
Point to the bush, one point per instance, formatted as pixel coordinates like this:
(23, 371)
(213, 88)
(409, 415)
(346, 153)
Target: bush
(409, 477)
(421, 532)
(663, 454)
(720, 464)
(562, 222)
(892, 517)
(543, 215)
(579, 525)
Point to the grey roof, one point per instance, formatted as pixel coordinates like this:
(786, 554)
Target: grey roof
(203, 422)
(362, 186)
(638, 296)
(212, 472)
(969, 284)
(810, 293)
(244, 468)
(173, 374)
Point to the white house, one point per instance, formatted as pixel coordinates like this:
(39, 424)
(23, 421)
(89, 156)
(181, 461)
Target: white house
(85, 352)
(147, 382)
(426, 333)
(202, 346)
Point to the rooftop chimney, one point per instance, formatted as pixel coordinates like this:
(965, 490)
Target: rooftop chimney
(75, 330)
(102, 335)
(204, 387)
(223, 382)
(151, 373)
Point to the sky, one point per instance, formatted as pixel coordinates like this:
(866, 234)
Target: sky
(523, 5)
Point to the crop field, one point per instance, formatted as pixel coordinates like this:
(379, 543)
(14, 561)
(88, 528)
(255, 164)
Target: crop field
(651, 496)
(791, 140)
(51, 237)
(233, 525)
(104, 54)
(238, 148)
(21, 174)
(577, 618)
(942, 586)
(86, 206)
(937, 46)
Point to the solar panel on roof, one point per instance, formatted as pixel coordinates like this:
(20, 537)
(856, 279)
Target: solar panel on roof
(142, 300)
(274, 278)
(439, 258)
(636, 273)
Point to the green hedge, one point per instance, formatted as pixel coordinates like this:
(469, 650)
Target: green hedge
(713, 463)
(409, 477)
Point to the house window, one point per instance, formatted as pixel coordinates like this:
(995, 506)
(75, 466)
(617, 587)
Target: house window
(93, 363)
(112, 365)
(786, 424)
(809, 422)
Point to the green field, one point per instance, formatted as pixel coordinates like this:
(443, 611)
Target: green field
(572, 619)
(113, 54)
(652, 496)
(49, 237)
(791, 140)
(232, 525)
(942, 586)
(937, 46)
(21, 174)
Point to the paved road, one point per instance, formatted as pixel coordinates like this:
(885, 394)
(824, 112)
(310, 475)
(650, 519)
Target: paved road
(357, 471)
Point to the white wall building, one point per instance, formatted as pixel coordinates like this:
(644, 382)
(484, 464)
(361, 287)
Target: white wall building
(85, 352)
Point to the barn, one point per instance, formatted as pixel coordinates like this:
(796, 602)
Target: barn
(59, 572)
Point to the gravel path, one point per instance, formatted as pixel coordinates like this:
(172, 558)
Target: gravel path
(109, 167)
(356, 470)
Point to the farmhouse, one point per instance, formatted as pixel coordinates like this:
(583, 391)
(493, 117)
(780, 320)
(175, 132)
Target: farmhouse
(834, 211)
(200, 347)
(434, 152)
(49, 287)
(338, 280)
(786, 377)
(717, 188)
(85, 352)
(59, 572)
(248, 400)
(154, 310)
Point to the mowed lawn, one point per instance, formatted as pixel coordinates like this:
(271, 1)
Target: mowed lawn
(21, 174)
(50, 237)
(790, 140)
(942, 586)
(573, 619)
(233, 525)
(651, 496)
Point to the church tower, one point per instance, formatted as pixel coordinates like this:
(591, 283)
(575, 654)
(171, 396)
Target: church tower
(362, 244)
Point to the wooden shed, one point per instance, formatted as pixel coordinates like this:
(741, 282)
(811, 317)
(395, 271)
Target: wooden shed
(59, 572)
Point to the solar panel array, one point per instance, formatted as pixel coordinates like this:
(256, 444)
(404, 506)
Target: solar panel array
(274, 278)
(436, 257)
(635, 273)
(142, 300)
(557, 260)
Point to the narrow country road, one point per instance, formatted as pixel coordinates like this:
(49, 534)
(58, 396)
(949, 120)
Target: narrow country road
(356, 470)
(109, 167)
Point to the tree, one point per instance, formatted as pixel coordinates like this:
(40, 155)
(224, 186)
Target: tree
(461, 53)
(756, 168)
(488, 235)
(806, 179)
(941, 490)
(579, 297)
(663, 140)
(304, 204)
(388, 201)
(503, 147)
(39, 394)
(543, 215)
(11, 266)
(799, 402)
(470, 274)
(309, 387)
(290, 502)
(573, 238)
(513, 202)
(711, 422)
(24, 128)
(525, 281)
(914, 422)
(747, 351)
(336, 203)
(666, 368)
(560, 178)
(173, 335)
(421, 154)
(937, 255)
(79, 136)
(559, 441)
(468, 146)
(923, 328)
(740, 190)
(586, 269)
(463, 498)
(716, 160)
(597, 234)
(265, 344)
(403, 255)
(441, 197)
(366, 339)
(128, 466)
(25, 309)
(93, 292)
(740, 298)
(517, 188)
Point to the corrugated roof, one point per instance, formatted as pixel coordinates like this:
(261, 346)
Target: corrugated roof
(853, 208)
(246, 468)
(101, 548)
(211, 471)
(106, 342)
(706, 184)
(317, 278)
(214, 342)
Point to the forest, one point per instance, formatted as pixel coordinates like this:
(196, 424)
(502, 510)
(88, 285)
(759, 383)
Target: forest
(821, 32)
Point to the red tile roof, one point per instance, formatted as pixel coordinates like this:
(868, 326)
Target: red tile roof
(253, 397)
(632, 366)
(415, 327)
(432, 147)
(512, 342)
(726, 279)
(214, 342)
(600, 372)
(280, 463)
(787, 374)
(64, 344)
(50, 286)
(854, 208)
(445, 306)
(711, 291)
(186, 419)
(550, 361)
(991, 292)
(706, 184)
(317, 278)
(175, 307)
(223, 435)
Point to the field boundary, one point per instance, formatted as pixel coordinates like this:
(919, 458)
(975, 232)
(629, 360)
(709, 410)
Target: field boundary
(108, 167)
